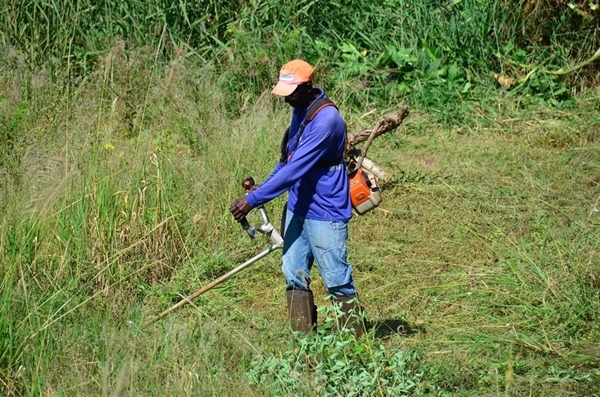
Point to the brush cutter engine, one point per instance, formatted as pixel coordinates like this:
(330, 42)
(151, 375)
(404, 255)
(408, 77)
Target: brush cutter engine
(364, 191)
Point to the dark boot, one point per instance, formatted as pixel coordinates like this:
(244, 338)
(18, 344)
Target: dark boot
(352, 314)
(302, 310)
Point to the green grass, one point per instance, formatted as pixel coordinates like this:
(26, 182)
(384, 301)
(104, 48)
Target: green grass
(114, 202)
(434, 54)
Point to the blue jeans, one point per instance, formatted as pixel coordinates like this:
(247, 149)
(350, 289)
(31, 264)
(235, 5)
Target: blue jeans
(307, 240)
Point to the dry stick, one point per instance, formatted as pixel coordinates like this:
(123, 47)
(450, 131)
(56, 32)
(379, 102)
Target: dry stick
(370, 166)
(563, 71)
(385, 124)
(363, 151)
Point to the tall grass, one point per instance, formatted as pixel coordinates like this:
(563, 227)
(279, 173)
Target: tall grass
(433, 54)
(125, 134)
(114, 200)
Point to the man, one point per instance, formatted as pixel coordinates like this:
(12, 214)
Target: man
(312, 170)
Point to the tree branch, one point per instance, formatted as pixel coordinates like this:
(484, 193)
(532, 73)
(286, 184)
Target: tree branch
(386, 124)
(356, 156)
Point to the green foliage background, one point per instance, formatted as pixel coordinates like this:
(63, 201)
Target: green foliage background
(126, 128)
(434, 52)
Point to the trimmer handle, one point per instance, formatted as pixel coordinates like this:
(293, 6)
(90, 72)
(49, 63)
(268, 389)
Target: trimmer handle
(246, 226)
(247, 184)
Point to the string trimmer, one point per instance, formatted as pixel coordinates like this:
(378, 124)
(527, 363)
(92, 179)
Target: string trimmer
(266, 228)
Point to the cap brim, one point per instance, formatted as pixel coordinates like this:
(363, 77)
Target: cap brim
(284, 89)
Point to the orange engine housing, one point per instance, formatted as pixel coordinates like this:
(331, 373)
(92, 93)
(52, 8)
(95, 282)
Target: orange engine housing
(359, 188)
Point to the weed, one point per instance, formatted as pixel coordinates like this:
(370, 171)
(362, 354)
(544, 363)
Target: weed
(332, 363)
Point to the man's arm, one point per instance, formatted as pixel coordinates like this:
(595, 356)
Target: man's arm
(275, 171)
(312, 149)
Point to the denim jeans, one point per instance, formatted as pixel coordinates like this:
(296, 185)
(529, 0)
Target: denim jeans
(307, 241)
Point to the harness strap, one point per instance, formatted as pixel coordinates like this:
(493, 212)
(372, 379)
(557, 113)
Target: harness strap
(318, 105)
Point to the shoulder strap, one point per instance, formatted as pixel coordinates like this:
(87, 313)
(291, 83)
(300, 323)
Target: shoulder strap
(284, 142)
(318, 105)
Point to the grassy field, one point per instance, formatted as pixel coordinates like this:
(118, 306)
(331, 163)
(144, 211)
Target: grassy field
(480, 271)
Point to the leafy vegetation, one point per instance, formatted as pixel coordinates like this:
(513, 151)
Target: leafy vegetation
(339, 366)
(432, 53)
(125, 133)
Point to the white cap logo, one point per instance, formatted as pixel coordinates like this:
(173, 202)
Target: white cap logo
(286, 77)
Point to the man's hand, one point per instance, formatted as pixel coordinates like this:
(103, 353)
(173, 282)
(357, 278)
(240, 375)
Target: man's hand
(240, 208)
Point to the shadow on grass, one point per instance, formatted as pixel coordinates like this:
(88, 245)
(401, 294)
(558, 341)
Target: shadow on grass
(389, 327)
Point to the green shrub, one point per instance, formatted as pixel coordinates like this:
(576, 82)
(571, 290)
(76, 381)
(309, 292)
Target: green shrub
(332, 362)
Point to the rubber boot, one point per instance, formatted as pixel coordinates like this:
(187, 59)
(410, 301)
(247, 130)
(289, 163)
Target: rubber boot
(352, 314)
(302, 310)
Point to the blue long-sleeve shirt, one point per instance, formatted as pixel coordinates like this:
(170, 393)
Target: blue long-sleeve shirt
(316, 191)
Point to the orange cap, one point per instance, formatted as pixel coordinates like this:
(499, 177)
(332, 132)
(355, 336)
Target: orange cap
(291, 75)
